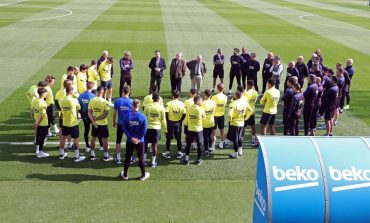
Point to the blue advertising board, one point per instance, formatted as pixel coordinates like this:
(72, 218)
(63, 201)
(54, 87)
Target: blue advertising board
(312, 179)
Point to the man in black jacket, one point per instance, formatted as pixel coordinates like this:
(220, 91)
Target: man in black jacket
(310, 100)
(244, 68)
(253, 69)
(266, 74)
(126, 64)
(157, 65)
(302, 70)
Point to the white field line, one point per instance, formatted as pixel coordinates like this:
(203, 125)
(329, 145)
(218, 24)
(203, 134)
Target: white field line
(67, 13)
(11, 3)
(302, 18)
(350, 187)
(296, 186)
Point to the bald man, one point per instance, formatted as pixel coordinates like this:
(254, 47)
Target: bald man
(197, 71)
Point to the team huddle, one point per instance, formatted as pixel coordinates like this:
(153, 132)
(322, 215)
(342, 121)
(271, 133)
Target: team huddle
(86, 94)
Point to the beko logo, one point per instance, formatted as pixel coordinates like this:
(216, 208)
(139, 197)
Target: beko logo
(259, 200)
(304, 177)
(358, 178)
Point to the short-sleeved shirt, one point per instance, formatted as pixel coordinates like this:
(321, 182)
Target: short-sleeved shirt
(156, 116)
(149, 99)
(93, 76)
(84, 100)
(251, 95)
(49, 97)
(221, 100)
(188, 103)
(176, 110)
(195, 115)
(209, 108)
(38, 107)
(237, 112)
(69, 106)
(123, 106)
(99, 106)
(105, 71)
(270, 99)
(32, 93)
(81, 82)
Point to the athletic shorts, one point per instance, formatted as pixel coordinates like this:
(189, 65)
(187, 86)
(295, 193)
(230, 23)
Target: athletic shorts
(218, 73)
(74, 131)
(219, 122)
(152, 135)
(119, 134)
(329, 113)
(197, 136)
(173, 130)
(60, 122)
(250, 121)
(101, 132)
(267, 119)
(107, 84)
(235, 133)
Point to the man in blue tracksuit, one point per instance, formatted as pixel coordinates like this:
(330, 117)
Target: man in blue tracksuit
(134, 127)
(310, 101)
(295, 109)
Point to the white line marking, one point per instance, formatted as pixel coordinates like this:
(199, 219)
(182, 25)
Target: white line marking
(259, 207)
(11, 3)
(350, 187)
(67, 13)
(296, 186)
(302, 18)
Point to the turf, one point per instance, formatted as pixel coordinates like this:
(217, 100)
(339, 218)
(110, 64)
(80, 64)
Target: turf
(221, 190)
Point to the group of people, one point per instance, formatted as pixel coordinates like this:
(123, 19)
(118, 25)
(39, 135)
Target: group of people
(81, 97)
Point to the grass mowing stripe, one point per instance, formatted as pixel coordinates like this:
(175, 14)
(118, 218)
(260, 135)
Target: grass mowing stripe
(347, 4)
(126, 201)
(47, 39)
(341, 14)
(294, 40)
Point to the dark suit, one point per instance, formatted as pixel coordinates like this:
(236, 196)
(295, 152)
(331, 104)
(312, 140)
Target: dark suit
(156, 77)
(177, 72)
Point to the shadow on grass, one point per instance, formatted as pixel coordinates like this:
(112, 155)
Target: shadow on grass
(73, 178)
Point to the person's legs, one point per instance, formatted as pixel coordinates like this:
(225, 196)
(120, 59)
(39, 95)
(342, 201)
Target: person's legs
(152, 81)
(87, 125)
(306, 119)
(199, 82)
(232, 75)
(238, 77)
(177, 134)
(214, 83)
(121, 84)
(178, 84)
(119, 134)
(129, 152)
(285, 121)
(244, 78)
(272, 129)
(173, 84)
(199, 140)
(159, 81)
(140, 154)
(255, 82)
(193, 82)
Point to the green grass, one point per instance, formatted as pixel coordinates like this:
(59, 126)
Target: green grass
(221, 190)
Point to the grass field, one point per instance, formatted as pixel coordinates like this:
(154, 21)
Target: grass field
(40, 37)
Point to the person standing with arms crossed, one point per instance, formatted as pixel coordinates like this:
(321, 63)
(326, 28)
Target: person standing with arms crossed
(235, 70)
(245, 65)
(218, 70)
(266, 74)
(127, 65)
(135, 127)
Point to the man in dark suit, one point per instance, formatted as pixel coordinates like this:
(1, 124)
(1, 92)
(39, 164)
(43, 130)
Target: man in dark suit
(177, 72)
(197, 71)
(157, 65)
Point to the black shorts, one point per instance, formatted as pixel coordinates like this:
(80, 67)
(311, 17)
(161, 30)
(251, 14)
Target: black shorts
(173, 130)
(42, 131)
(107, 84)
(250, 121)
(219, 122)
(329, 113)
(101, 132)
(197, 136)
(235, 133)
(60, 121)
(119, 134)
(218, 73)
(267, 119)
(152, 135)
(74, 131)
